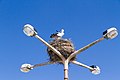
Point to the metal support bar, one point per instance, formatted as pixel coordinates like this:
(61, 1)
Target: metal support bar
(52, 48)
(85, 47)
(43, 64)
(81, 64)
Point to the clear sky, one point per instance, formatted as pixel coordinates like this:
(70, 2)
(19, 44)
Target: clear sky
(83, 21)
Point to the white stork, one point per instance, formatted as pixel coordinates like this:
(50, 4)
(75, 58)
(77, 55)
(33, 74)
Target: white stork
(57, 35)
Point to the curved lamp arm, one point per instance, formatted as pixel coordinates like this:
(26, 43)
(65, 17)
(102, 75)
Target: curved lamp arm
(43, 64)
(84, 48)
(52, 48)
(81, 64)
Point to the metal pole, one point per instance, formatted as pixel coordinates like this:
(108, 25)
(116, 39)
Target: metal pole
(66, 70)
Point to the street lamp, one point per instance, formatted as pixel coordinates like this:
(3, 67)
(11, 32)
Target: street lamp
(96, 69)
(26, 67)
(29, 30)
(110, 33)
(64, 59)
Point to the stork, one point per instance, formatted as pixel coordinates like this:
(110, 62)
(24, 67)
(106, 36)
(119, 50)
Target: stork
(57, 35)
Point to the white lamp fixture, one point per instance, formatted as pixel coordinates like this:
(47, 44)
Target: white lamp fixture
(110, 33)
(29, 30)
(96, 70)
(26, 67)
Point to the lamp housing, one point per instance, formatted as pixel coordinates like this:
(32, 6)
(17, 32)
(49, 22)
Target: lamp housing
(110, 33)
(96, 70)
(29, 30)
(26, 67)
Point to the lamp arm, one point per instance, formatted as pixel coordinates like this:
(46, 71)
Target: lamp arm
(81, 64)
(52, 48)
(43, 64)
(85, 47)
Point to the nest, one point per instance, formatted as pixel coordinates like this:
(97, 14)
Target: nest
(64, 46)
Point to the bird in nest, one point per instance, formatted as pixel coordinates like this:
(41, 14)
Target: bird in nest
(57, 35)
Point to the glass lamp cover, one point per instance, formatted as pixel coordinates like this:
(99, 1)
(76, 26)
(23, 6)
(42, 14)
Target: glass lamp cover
(112, 33)
(96, 70)
(26, 67)
(29, 30)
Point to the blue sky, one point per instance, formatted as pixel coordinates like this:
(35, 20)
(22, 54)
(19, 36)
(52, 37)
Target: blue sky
(83, 21)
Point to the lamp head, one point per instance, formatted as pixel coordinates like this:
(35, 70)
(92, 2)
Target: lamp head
(96, 69)
(29, 30)
(26, 67)
(110, 33)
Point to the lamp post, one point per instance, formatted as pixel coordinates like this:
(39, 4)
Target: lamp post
(30, 31)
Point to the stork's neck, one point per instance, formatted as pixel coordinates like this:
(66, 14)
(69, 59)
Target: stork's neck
(62, 31)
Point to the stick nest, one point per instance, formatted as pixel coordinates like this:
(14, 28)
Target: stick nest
(64, 46)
